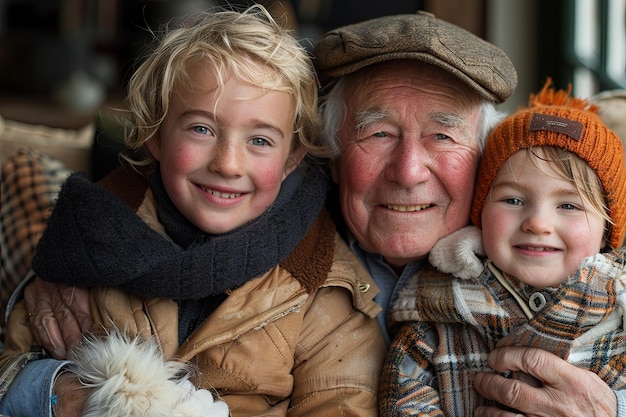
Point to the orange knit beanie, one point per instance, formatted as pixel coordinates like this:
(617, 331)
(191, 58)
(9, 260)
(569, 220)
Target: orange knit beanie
(557, 119)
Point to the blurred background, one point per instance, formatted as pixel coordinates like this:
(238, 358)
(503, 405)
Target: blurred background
(64, 63)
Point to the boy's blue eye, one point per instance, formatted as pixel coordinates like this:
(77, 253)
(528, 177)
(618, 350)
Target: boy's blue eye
(568, 206)
(259, 141)
(201, 129)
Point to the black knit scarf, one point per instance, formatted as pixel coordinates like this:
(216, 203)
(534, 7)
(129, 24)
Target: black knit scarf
(94, 239)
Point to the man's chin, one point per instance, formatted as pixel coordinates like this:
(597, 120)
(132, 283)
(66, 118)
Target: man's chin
(399, 258)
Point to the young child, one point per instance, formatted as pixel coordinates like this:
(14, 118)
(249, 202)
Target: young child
(550, 200)
(215, 244)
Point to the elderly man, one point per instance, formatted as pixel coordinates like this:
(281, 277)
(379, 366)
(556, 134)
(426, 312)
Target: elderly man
(410, 99)
(411, 106)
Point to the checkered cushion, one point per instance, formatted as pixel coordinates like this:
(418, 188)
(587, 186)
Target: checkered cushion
(30, 182)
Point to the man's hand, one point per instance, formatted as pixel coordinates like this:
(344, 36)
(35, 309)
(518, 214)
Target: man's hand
(58, 315)
(566, 391)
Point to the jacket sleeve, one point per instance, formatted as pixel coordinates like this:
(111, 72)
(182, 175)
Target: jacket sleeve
(408, 384)
(26, 375)
(29, 394)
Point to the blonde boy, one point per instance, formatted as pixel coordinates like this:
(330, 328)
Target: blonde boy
(216, 245)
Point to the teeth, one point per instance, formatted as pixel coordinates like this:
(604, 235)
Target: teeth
(396, 207)
(536, 249)
(221, 195)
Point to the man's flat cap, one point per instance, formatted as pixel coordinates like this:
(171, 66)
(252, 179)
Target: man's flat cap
(421, 36)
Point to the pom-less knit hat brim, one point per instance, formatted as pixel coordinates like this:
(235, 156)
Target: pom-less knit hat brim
(481, 65)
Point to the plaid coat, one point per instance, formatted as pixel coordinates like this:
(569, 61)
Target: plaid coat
(449, 325)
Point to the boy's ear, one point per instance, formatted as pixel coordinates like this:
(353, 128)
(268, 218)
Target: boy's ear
(294, 160)
(154, 146)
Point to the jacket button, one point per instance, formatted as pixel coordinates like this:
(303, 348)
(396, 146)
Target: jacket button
(538, 301)
(364, 287)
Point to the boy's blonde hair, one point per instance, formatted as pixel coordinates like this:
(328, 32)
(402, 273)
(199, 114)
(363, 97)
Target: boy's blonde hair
(232, 43)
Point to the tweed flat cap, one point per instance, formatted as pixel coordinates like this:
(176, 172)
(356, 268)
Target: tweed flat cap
(421, 36)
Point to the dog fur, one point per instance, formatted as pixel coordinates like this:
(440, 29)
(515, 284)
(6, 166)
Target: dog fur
(129, 377)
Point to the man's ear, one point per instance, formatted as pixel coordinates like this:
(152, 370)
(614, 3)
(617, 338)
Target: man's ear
(154, 146)
(294, 160)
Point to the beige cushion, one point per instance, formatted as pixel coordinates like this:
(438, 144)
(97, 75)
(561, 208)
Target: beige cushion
(71, 147)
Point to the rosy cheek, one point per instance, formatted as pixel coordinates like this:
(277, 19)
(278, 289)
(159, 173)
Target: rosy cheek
(181, 164)
(458, 174)
(180, 158)
(500, 228)
(270, 179)
(359, 171)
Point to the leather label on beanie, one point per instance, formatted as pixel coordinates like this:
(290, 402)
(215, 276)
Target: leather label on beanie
(568, 127)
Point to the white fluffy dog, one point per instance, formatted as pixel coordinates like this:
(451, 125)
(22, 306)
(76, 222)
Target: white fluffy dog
(130, 378)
